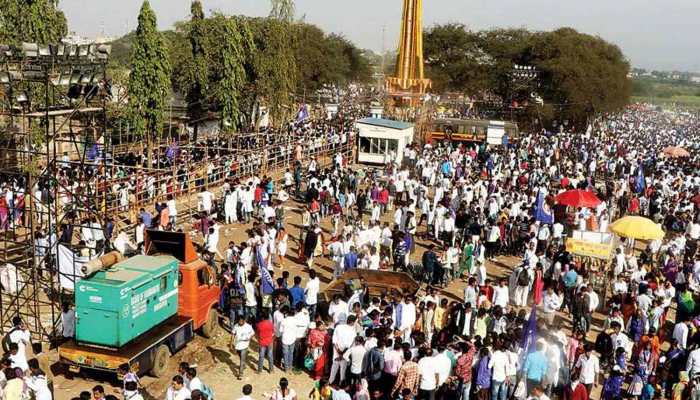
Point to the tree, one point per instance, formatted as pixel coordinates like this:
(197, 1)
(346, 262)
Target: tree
(38, 21)
(149, 81)
(282, 10)
(327, 59)
(505, 48)
(271, 66)
(233, 74)
(195, 93)
(583, 74)
(455, 59)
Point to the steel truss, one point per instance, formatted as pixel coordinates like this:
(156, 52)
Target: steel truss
(53, 148)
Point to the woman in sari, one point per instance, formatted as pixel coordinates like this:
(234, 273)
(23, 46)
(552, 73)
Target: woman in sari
(318, 338)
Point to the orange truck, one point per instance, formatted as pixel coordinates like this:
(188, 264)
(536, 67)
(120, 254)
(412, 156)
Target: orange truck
(198, 299)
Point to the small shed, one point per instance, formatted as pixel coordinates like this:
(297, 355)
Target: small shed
(382, 140)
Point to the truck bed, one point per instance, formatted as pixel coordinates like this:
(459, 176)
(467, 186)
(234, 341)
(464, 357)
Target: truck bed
(83, 355)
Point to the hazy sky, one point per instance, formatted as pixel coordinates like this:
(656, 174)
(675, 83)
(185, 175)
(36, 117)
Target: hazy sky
(652, 33)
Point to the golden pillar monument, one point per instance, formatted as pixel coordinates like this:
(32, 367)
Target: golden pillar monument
(409, 84)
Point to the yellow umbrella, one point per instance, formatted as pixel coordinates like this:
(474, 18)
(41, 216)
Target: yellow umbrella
(637, 228)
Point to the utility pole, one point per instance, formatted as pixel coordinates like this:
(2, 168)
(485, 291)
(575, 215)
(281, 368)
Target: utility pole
(380, 75)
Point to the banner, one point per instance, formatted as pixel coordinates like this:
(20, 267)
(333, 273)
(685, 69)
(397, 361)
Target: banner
(589, 249)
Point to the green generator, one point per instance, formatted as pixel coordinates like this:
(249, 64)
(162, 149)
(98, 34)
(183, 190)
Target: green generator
(117, 304)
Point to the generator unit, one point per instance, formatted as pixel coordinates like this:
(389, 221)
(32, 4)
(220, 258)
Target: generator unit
(116, 304)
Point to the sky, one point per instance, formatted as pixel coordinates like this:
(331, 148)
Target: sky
(653, 34)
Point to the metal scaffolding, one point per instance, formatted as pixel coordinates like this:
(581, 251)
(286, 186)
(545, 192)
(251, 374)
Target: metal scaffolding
(53, 152)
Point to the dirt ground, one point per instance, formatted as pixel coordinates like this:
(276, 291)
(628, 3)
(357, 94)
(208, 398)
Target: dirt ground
(216, 366)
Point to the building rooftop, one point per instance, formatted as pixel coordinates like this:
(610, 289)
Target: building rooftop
(385, 123)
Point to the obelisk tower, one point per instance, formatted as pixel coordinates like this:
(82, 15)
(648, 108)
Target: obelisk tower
(409, 83)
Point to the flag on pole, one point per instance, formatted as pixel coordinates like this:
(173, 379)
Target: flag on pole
(266, 283)
(172, 151)
(92, 152)
(527, 343)
(543, 212)
(641, 182)
(303, 113)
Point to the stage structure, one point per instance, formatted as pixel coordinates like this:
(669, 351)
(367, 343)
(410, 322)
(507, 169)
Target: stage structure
(53, 157)
(409, 84)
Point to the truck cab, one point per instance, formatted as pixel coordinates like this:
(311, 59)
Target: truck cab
(198, 292)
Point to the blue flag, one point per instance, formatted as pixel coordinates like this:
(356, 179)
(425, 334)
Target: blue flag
(172, 151)
(266, 283)
(542, 211)
(640, 184)
(92, 152)
(529, 334)
(303, 113)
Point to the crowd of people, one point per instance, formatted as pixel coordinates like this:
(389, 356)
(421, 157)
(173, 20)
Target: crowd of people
(526, 332)
(543, 326)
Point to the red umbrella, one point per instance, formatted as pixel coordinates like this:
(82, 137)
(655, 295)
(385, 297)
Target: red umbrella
(578, 198)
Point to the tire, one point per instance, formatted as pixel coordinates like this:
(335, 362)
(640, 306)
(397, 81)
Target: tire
(210, 327)
(160, 361)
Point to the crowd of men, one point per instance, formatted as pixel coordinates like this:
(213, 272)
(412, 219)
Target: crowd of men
(468, 205)
(445, 212)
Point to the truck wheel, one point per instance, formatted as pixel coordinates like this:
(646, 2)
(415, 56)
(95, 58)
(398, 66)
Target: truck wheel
(212, 325)
(160, 361)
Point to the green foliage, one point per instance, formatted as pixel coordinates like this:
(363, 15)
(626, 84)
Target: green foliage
(271, 66)
(580, 74)
(199, 71)
(38, 21)
(583, 72)
(455, 60)
(149, 81)
(282, 10)
(232, 65)
(232, 73)
(326, 59)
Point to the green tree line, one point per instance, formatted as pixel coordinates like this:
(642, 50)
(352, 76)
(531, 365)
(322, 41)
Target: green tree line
(578, 74)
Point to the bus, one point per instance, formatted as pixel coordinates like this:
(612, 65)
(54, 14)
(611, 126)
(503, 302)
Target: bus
(472, 130)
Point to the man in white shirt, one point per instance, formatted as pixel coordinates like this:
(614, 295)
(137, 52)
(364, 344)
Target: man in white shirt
(288, 330)
(680, 333)
(355, 355)
(246, 390)
(620, 262)
(408, 318)
(429, 376)
(311, 292)
(338, 310)
(206, 199)
(551, 304)
(172, 210)
(177, 389)
(501, 294)
(67, 320)
(443, 365)
(589, 367)
(693, 363)
(498, 364)
(619, 338)
(343, 337)
(242, 333)
(20, 336)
